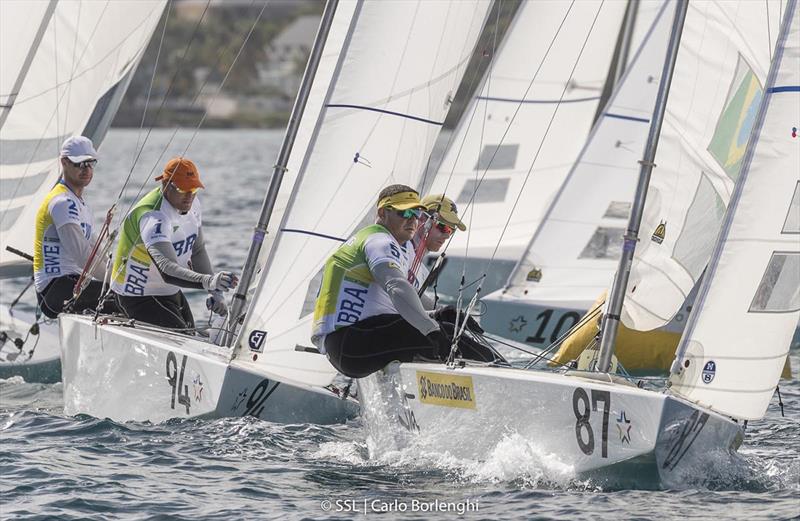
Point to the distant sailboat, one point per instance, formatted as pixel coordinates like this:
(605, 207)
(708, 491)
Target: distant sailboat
(538, 99)
(65, 69)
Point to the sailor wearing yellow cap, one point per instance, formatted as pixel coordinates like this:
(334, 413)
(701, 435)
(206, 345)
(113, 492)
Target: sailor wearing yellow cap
(438, 224)
(367, 314)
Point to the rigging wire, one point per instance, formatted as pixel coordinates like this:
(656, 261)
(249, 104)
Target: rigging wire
(74, 66)
(170, 85)
(149, 92)
(471, 209)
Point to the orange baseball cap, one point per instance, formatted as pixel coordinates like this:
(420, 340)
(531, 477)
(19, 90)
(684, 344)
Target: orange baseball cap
(183, 173)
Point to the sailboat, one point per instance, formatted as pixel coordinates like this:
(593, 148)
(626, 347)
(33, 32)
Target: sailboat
(722, 376)
(66, 67)
(379, 83)
(572, 254)
(546, 109)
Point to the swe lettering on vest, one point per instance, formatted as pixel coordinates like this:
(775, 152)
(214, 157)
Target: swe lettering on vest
(52, 253)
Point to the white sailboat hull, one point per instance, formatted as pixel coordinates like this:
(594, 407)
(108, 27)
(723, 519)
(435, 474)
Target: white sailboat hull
(130, 374)
(38, 359)
(587, 424)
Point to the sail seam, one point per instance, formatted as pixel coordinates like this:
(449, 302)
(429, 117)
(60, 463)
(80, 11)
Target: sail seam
(315, 234)
(384, 111)
(537, 101)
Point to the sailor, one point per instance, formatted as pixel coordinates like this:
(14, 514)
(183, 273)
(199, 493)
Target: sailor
(63, 240)
(161, 249)
(367, 314)
(438, 224)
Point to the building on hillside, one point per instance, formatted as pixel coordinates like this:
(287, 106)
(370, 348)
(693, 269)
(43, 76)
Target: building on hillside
(287, 55)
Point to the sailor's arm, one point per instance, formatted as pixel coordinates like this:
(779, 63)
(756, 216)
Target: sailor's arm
(163, 255)
(201, 263)
(403, 296)
(160, 249)
(388, 267)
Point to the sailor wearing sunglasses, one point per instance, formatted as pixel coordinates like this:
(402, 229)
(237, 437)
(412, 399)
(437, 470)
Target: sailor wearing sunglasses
(161, 250)
(438, 224)
(63, 240)
(367, 314)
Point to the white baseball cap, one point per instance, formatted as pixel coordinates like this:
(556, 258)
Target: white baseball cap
(78, 148)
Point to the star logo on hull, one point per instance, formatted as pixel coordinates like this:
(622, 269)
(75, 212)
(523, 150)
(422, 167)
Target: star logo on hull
(624, 428)
(197, 387)
(516, 325)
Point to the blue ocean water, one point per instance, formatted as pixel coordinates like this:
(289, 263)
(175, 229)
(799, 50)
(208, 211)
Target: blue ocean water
(58, 467)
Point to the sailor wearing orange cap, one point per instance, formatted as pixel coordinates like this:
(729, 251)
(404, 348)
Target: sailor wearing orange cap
(161, 249)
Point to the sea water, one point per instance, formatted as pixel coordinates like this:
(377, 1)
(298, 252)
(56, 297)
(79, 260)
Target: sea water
(58, 467)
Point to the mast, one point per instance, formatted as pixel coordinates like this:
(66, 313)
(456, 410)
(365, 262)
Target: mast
(612, 317)
(280, 166)
(619, 62)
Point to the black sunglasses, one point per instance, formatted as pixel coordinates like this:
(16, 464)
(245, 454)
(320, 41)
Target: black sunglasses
(411, 213)
(83, 165)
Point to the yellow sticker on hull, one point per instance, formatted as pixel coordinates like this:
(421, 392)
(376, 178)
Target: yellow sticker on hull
(448, 390)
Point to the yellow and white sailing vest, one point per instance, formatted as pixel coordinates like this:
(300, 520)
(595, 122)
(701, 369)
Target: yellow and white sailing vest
(151, 221)
(50, 259)
(348, 292)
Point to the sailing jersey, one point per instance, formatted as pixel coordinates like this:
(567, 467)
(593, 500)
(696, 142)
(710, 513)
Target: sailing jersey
(153, 220)
(349, 292)
(50, 259)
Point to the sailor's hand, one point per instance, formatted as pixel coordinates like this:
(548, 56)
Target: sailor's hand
(448, 314)
(221, 281)
(216, 303)
(440, 341)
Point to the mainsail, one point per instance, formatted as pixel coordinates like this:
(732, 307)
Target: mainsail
(722, 63)
(739, 333)
(538, 99)
(66, 66)
(398, 69)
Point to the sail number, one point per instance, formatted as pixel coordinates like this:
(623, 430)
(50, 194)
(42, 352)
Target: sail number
(582, 410)
(567, 320)
(179, 390)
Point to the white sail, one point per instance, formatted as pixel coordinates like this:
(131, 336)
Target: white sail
(65, 67)
(724, 55)
(398, 70)
(551, 65)
(573, 254)
(741, 327)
